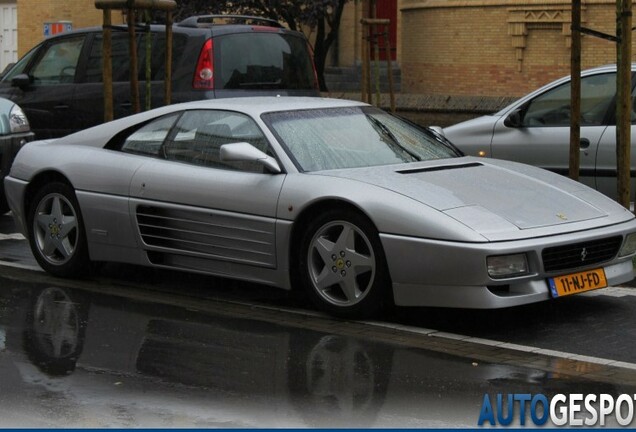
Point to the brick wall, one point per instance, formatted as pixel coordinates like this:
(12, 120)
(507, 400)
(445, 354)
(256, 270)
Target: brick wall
(32, 14)
(495, 47)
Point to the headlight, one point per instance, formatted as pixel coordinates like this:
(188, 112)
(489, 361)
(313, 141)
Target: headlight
(629, 245)
(18, 120)
(506, 266)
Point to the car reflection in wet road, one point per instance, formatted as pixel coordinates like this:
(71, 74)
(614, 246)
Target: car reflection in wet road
(75, 358)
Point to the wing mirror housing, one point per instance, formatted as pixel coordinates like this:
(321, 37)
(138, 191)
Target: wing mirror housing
(22, 81)
(246, 152)
(514, 119)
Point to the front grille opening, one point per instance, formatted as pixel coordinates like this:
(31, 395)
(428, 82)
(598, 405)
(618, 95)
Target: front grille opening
(580, 254)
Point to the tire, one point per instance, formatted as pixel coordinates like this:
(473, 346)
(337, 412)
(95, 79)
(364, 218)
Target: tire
(56, 231)
(342, 266)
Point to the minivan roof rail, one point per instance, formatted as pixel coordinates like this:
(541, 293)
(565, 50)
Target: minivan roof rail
(208, 20)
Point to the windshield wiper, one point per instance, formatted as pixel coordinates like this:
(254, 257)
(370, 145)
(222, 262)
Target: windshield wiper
(393, 140)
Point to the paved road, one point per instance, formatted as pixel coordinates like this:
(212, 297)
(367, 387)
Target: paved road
(139, 347)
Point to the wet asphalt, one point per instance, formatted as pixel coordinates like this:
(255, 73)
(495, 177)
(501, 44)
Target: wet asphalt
(136, 347)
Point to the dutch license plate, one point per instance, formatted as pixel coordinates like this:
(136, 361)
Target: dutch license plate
(577, 282)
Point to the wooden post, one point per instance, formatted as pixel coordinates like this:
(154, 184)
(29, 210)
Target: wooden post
(148, 65)
(132, 52)
(364, 54)
(376, 62)
(623, 99)
(389, 68)
(107, 65)
(167, 96)
(575, 92)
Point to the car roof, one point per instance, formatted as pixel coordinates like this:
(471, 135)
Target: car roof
(255, 106)
(179, 27)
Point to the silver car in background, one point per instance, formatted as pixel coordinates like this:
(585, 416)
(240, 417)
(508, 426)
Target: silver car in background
(536, 130)
(352, 205)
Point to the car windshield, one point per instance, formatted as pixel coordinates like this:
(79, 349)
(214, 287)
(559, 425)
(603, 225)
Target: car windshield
(334, 138)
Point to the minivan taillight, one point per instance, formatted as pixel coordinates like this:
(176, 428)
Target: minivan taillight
(204, 74)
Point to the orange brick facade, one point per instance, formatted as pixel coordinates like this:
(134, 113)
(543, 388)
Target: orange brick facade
(495, 47)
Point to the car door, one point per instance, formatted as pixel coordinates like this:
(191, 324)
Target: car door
(194, 210)
(606, 169)
(48, 100)
(543, 136)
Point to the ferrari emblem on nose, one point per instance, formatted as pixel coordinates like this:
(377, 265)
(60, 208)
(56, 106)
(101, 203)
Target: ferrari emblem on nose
(562, 216)
(583, 254)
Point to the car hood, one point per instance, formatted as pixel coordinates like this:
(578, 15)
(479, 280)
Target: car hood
(495, 198)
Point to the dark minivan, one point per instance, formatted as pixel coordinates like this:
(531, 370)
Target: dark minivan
(59, 82)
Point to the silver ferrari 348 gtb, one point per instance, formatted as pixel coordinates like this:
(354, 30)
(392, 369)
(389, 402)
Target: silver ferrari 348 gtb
(356, 207)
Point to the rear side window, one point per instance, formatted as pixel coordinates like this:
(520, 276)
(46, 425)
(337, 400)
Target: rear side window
(248, 61)
(121, 58)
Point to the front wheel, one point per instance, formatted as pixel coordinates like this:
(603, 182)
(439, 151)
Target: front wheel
(342, 265)
(56, 231)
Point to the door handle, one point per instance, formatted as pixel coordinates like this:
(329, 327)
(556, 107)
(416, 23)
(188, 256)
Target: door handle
(60, 107)
(126, 104)
(585, 143)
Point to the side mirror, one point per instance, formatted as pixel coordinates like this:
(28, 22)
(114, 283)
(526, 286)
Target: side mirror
(22, 81)
(514, 119)
(246, 152)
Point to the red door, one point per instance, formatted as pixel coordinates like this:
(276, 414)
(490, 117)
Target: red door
(388, 9)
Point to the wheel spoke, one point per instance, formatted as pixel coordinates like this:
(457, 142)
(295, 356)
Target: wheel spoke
(65, 247)
(346, 239)
(56, 209)
(50, 245)
(68, 225)
(325, 249)
(360, 263)
(43, 221)
(326, 278)
(350, 288)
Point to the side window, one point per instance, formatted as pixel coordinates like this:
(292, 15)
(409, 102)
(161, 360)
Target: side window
(58, 62)
(121, 59)
(148, 140)
(553, 107)
(199, 135)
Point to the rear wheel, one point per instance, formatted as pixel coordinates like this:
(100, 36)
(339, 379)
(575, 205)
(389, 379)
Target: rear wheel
(56, 231)
(342, 265)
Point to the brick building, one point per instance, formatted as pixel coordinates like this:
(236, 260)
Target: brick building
(465, 48)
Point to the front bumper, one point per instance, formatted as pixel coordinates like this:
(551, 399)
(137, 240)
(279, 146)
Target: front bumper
(452, 274)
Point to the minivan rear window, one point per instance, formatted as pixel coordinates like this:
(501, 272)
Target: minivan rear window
(266, 61)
